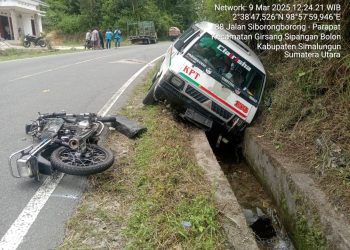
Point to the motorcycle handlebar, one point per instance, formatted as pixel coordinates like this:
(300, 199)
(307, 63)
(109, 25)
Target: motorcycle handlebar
(83, 115)
(52, 115)
(106, 119)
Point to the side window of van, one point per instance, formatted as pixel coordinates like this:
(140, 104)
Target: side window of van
(255, 87)
(186, 38)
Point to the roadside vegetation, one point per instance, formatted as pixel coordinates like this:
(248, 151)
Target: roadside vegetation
(58, 38)
(305, 111)
(154, 197)
(71, 17)
(11, 54)
(309, 119)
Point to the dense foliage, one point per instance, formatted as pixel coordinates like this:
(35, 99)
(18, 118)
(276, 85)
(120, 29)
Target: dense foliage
(71, 16)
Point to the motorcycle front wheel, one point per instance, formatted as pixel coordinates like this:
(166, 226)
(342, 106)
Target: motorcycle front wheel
(95, 160)
(26, 44)
(42, 43)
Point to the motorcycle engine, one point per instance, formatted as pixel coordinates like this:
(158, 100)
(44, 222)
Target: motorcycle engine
(84, 124)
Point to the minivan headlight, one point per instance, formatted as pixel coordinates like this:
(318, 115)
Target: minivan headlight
(177, 82)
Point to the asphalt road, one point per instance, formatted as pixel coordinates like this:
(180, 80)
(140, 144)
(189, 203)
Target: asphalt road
(75, 82)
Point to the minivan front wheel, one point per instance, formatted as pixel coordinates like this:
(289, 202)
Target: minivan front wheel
(149, 98)
(152, 91)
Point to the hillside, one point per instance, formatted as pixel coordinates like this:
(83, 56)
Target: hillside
(305, 109)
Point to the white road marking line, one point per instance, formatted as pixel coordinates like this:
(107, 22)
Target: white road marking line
(65, 196)
(27, 76)
(15, 234)
(87, 51)
(20, 227)
(129, 61)
(84, 61)
(115, 97)
(57, 68)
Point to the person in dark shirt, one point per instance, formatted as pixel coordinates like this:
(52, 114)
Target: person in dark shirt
(102, 44)
(117, 37)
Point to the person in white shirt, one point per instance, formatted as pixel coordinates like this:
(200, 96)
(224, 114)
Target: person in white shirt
(88, 39)
(95, 38)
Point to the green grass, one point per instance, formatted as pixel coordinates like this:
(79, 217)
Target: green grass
(170, 190)
(310, 104)
(310, 101)
(12, 54)
(152, 191)
(77, 39)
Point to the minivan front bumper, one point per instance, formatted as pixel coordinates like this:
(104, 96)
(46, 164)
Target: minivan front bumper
(190, 103)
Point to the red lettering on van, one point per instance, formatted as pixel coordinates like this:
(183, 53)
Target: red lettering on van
(241, 106)
(186, 69)
(191, 72)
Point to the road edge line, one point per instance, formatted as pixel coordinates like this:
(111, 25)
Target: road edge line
(20, 227)
(105, 109)
(18, 230)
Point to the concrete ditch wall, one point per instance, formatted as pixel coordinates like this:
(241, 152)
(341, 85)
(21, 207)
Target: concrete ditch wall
(304, 209)
(239, 235)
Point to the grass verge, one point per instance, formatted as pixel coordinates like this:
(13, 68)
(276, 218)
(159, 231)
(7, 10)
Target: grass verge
(309, 119)
(76, 39)
(154, 197)
(12, 54)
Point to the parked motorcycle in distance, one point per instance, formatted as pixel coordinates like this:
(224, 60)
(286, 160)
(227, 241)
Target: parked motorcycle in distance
(68, 143)
(88, 44)
(28, 40)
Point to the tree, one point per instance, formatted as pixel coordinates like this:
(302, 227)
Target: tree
(78, 15)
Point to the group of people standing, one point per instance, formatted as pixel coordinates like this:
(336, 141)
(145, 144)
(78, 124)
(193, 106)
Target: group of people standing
(94, 39)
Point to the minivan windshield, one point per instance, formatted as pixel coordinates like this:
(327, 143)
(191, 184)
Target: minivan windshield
(227, 67)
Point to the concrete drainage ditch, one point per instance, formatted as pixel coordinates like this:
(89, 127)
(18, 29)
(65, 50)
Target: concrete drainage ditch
(302, 208)
(238, 234)
(246, 212)
(257, 206)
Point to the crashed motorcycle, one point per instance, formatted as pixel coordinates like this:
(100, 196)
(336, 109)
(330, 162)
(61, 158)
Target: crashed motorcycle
(28, 40)
(68, 143)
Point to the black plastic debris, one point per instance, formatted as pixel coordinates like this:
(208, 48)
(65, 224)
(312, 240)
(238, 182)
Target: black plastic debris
(127, 127)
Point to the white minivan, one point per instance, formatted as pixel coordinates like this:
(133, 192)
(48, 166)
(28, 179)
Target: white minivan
(214, 81)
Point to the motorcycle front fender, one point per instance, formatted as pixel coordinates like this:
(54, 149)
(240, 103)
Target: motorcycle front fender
(44, 165)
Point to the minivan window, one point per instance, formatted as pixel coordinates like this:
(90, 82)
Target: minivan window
(185, 38)
(227, 67)
(255, 86)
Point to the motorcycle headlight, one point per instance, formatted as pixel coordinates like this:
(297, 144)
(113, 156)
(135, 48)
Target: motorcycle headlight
(177, 82)
(25, 166)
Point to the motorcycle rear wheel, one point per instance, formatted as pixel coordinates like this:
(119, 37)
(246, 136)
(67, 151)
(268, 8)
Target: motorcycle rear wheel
(95, 160)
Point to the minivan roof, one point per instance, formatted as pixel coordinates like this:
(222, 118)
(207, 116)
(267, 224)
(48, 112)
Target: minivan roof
(235, 44)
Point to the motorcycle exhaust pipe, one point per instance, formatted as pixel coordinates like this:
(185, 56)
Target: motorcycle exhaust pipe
(79, 140)
(74, 143)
